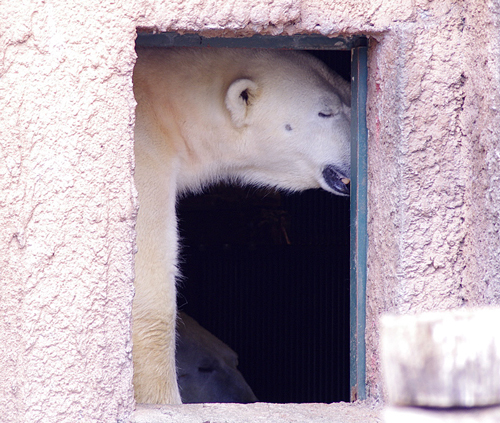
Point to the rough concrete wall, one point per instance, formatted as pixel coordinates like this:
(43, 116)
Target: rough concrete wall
(67, 201)
(281, 17)
(67, 206)
(433, 165)
(481, 123)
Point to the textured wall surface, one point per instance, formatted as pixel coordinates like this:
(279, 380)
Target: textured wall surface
(433, 165)
(67, 206)
(67, 202)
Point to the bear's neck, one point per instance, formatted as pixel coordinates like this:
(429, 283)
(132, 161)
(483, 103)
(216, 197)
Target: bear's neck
(210, 155)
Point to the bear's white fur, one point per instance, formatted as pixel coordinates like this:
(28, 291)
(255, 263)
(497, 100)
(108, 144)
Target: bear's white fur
(263, 117)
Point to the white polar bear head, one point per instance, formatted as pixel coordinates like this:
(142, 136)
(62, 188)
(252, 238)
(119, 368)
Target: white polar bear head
(292, 114)
(207, 368)
(265, 117)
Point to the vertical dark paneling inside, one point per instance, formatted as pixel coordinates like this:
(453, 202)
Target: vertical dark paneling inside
(283, 308)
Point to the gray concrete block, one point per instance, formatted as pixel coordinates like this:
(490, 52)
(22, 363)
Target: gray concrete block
(419, 415)
(442, 359)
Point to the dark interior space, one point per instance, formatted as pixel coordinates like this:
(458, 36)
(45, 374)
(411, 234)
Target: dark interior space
(268, 274)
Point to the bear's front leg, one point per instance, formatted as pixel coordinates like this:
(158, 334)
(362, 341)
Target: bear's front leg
(155, 379)
(154, 308)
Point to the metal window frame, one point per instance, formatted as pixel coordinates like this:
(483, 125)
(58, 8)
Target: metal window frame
(358, 218)
(359, 183)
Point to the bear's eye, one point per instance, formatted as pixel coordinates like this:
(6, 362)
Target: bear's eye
(206, 369)
(207, 366)
(325, 114)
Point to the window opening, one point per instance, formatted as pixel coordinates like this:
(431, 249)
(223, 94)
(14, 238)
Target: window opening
(283, 272)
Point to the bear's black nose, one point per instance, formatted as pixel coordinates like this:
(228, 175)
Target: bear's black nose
(337, 180)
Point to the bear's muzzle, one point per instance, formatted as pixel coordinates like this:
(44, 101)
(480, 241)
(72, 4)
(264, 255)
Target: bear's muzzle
(337, 180)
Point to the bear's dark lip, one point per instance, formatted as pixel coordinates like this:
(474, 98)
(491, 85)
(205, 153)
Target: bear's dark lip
(337, 179)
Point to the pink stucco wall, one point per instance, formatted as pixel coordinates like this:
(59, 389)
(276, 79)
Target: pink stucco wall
(67, 201)
(433, 165)
(67, 207)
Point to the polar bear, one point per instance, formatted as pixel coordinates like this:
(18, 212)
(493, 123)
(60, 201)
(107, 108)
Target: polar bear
(252, 116)
(207, 368)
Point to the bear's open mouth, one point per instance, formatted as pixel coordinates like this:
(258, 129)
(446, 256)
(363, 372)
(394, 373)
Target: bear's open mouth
(337, 180)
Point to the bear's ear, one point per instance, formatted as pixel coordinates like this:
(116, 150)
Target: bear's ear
(238, 100)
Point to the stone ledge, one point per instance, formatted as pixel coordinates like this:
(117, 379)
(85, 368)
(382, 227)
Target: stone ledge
(359, 412)
(421, 415)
